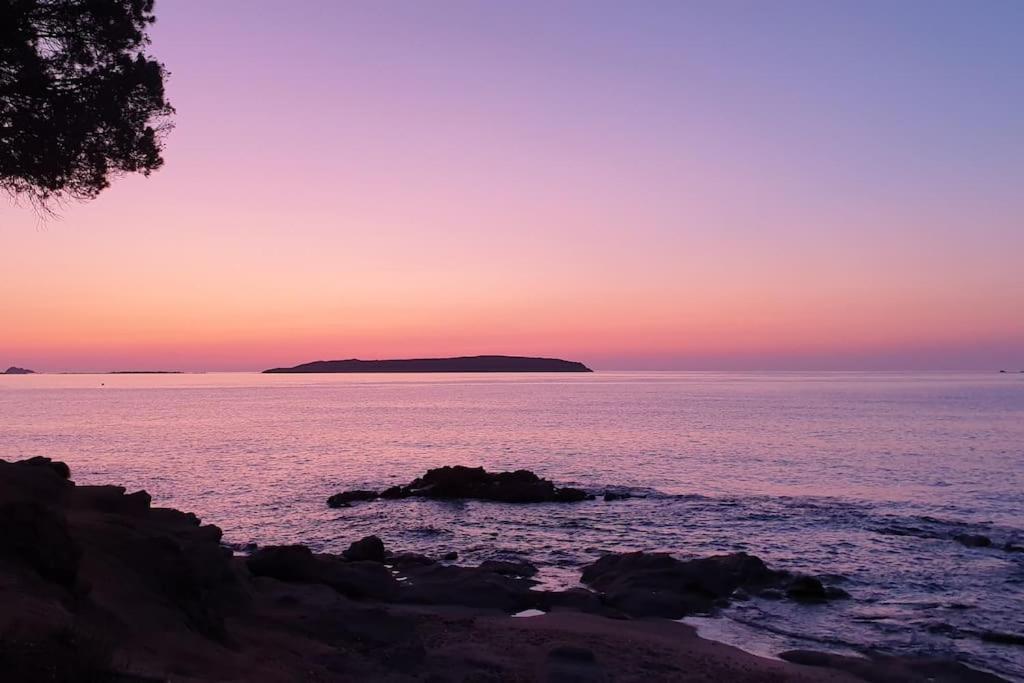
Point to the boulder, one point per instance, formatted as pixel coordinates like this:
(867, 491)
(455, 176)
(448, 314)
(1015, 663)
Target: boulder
(347, 497)
(657, 584)
(368, 549)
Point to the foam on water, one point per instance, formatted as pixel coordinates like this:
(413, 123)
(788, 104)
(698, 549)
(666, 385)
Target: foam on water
(865, 476)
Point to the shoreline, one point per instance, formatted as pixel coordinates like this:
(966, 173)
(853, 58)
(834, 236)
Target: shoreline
(96, 580)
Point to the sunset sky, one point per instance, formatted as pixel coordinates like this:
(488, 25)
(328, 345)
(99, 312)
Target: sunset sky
(664, 185)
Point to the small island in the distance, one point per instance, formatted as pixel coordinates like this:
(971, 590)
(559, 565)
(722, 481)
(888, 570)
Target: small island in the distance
(13, 370)
(460, 364)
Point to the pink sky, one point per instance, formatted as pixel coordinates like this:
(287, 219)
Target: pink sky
(671, 188)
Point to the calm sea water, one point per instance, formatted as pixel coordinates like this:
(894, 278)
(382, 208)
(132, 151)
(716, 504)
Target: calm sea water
(865, 476)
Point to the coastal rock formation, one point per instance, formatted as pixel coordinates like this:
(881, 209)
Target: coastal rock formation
(13, 370)
(521, 486)
(460, 364)
(98, 585)
(657, 584)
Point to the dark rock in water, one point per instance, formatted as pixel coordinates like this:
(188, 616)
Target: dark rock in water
(13, 370)
(810, 589)
(450, 556)
(657, 584)
(460, 364)
(612, 496)
(459, 482)
(346, 497)
(973, 540)
(395, 492)
(508, 568)
(1003, 638)
(369, 549)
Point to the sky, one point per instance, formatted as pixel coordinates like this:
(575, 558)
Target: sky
(637, 185)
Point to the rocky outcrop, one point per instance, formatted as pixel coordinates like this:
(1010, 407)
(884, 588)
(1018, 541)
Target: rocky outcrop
(454, 482)
(98, 585)
(13, 370)
(657, 584)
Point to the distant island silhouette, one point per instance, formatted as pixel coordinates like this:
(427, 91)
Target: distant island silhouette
(460, 364)
(18, 371)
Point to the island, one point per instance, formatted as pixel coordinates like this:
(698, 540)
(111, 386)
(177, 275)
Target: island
(460, 364)
(18, 371)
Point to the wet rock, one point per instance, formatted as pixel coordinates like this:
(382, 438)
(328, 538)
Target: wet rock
(345, 498)
(368, 549)
(1003, 638)
(657, 584)
(610, 496)
(973, 540)
(395, 492)
(508, 568)
(459, 482)
(450, 556)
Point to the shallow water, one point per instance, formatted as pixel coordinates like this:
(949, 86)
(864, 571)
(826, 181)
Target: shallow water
(863, 475)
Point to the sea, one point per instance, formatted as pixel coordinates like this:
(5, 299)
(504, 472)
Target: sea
(866, 477)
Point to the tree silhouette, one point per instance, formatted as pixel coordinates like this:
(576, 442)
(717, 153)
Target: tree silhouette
(80, 100)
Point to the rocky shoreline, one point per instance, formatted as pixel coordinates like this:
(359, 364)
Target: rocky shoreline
(98, 585)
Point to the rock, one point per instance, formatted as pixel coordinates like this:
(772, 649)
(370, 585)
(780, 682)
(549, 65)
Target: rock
(284, 562)
(38, 536)
(409, 559)
(441, 584)
(13, 370)
(508, 568)
(458, 482)
(806, 589)
(297, 563)
(395, 492)
(973, 540)
(1002, 638)
(1012, 547)
(657, 584)
(368, 549)
(450, 556)
(610, 496)
(346, 497)
(61, 468)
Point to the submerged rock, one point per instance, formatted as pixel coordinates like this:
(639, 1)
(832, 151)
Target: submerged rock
(343, 499)
(459, 482)
(973, 540)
